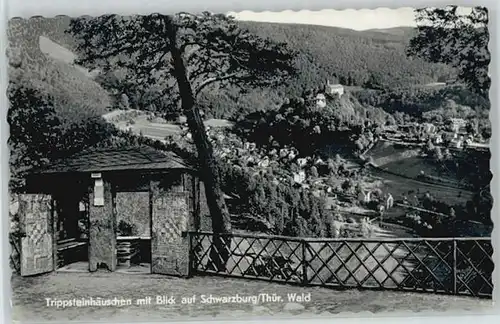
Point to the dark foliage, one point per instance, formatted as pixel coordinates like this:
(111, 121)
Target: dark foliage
(300, 123)
(445, 35)
(352, 57)
(37, 135)
(431, 104)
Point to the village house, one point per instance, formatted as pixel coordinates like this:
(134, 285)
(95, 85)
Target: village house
(283, 153)
(438, 139)
(302, 162)
(273, 152)
(264, 163)
(457, 142)
(317, 193)
(299, 177)
(321, 100)
(458, 124)
(364, 196)
(319, 161)
(334, 89)
(249, 146)
(429, 128)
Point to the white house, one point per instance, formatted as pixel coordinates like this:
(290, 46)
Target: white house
(321, 100)
(334, 89)
(264, 163)
(457, 143)
(299, 177)
(438, 139)
(302, 162)
(250, 146)
(429, 128)
(319, 161)
(364, 196)
(457, 124)
(283, 153)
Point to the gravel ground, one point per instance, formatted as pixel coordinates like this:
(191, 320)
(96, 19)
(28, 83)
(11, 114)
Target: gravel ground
(30, 294)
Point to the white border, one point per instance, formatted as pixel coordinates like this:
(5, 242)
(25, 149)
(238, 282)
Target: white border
(27, 8)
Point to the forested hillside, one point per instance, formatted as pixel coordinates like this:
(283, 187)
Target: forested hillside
(55, 108)
(353, 56)
(368, 58)
(75, 96)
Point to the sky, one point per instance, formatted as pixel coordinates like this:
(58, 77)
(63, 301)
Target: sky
(353, 19)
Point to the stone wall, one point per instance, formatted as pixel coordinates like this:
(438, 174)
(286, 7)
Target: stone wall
(133, 208)
(35, 219)
(102, 232)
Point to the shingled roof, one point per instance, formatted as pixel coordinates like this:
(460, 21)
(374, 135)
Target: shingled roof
(115, 159)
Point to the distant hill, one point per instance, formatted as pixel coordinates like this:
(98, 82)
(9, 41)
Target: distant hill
(353, 55)
(40, 55)
(396, 31)
(46, 52)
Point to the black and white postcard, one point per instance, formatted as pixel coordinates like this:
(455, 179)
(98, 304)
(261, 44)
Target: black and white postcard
(188, 165)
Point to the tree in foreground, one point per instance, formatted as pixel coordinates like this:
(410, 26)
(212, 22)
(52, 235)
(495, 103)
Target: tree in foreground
(457, 37)
(185, 55)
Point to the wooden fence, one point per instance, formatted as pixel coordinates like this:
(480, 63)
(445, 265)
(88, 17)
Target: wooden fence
(456, 266)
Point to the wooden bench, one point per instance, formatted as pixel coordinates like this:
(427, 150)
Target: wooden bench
(71, 250)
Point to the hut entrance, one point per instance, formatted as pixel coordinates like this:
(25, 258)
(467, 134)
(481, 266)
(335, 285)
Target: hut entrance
(71, 218)
(120, 209)
(133, 241)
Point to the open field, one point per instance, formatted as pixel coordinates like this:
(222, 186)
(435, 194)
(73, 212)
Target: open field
(406, 161)
(409, 162)
(413, 166)
(399, 186)
(29, 298)
(384, 152)
(141, 125)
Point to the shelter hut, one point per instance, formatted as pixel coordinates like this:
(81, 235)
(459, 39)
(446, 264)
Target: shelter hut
(135, 204)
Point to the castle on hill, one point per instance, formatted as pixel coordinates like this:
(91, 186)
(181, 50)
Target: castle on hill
(332, 90)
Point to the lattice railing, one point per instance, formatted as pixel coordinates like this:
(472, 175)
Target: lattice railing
(460, 266)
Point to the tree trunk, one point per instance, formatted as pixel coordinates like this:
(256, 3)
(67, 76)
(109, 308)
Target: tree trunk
(221, 220)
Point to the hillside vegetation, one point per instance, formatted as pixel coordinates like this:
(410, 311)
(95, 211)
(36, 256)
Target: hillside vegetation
(353, 56)
(75, 96)
(367, 58)
(55, 107)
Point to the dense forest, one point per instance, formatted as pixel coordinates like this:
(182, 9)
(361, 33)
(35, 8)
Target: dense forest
(368, 59)
(354, 57)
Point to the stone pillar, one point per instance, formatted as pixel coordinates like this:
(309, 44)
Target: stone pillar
(102, 231)
(171, 217)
